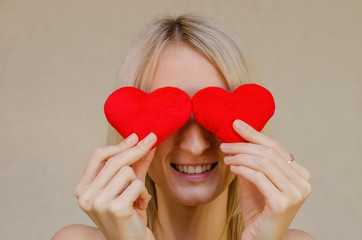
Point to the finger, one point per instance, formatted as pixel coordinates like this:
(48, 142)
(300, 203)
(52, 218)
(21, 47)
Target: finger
(258, 179)
(249, 148)
(291, 183)
(136, 190)
(97, 160)
(118, 184)
(127, 157)
(277, 200)
(292, 171)
(302, 171)
(263, 165)
(251, 135)
(141, 167)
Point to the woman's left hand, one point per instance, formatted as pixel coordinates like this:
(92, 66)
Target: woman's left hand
(271, 190)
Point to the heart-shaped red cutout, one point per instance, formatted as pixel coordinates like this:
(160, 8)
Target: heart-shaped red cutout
(216, 109)
(163, 111)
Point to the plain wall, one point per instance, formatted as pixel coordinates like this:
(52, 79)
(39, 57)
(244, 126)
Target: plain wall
(59, 61)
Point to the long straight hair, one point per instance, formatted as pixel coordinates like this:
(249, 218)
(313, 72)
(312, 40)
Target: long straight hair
(222, 48)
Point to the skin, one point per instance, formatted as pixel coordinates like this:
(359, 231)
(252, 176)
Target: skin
(192, 204)
(112, 192)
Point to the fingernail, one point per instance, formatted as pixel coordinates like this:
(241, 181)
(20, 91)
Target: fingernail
(233, 168)
(228, 158)
(239, 124)
(226, 146)
(131, 138)
(150, 138)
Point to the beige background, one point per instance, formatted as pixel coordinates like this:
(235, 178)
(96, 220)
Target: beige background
(59, 61)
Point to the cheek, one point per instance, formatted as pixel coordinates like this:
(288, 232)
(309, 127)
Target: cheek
(229, 175)
(154, 169)
(161, 153)
(157, 166)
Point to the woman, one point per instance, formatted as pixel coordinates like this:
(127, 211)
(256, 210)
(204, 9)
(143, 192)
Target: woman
(132, 192)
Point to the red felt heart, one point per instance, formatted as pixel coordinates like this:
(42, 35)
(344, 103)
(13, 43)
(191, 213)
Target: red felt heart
(216, 109)
(163, 111)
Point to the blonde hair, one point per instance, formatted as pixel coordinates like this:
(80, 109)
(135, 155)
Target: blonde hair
(222, 48)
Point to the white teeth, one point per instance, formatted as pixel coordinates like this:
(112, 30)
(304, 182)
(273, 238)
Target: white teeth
(192, 169)
(198, 169)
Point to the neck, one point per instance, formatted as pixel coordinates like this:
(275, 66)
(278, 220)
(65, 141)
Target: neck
(178, 222)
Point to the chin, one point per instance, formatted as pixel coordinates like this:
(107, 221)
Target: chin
(195, 196)
(193, 201)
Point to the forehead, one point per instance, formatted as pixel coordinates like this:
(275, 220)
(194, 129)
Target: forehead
(181, 66)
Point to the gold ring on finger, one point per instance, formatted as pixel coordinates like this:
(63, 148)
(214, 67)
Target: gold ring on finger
(291, 159)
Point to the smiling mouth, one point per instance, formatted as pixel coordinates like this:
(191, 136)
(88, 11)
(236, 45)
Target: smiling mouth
(193, 169)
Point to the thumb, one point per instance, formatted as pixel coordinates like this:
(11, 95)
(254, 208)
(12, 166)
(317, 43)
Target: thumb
(140, 167)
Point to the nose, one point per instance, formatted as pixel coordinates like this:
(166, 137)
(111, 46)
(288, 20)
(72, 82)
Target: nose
(194, 139)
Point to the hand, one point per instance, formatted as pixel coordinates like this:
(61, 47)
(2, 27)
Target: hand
(113, 194)
(271, 190)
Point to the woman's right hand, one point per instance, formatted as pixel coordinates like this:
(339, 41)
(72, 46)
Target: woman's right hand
(112, 189)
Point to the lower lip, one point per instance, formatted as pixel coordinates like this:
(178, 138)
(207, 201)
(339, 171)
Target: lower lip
(197, 177)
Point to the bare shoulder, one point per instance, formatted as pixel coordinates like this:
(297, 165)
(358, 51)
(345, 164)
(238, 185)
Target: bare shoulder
(295, 234)
(79, 232)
